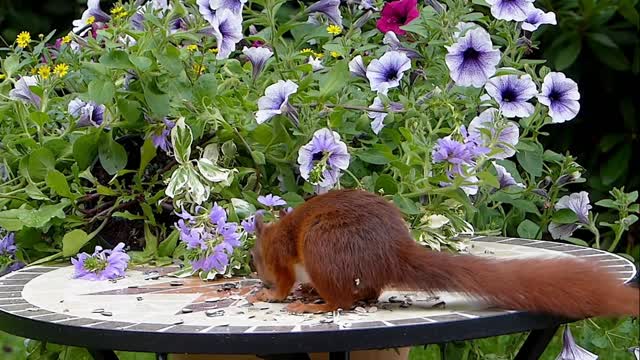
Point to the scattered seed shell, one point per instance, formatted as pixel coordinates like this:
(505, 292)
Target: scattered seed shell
(139, 298)
(211, 300)
(187, 311)
(176, 283)
(97, 311)
(106, 313)
(372, 309)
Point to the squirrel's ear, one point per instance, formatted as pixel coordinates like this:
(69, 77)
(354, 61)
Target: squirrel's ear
(258, 223)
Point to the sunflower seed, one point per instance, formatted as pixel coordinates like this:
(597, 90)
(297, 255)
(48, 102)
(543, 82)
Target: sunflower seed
(97, 311)
(187, 311)
(176, 283)
(373, 309)
(106, 313)
(214, 313)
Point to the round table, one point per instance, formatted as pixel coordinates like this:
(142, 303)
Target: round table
(149, 311)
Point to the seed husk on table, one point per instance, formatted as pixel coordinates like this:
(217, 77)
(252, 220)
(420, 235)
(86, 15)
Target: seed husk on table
(211, 300)
(176, 283)
(106, 313)
(97, 311)
(139, 298)
(187, 311)
(214, 313)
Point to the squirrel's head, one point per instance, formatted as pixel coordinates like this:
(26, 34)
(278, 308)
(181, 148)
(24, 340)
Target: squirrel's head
(266, 237)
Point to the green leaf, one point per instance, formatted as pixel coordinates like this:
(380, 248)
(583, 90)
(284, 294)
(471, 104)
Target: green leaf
(142, 63)
(73, 241)
(127, 215)
(206, 86)
(335, 79)
(130, 111)
(528, 229)
(565, 50)
(293, 199)
(373, 156)
(147, 153)
(117, 59)
(57, 181)
(101, 91)
(258, 157)
(113, 156)
(85, 150)
(168, 245)
(150, 241)
(627, 9)
(157, 100)
(212, 172)
(181, 138)
(170, 59)
(608, 203)
(242, 208)
(387, 184)
(40, 118)
(564, 216)
(406, 205)
(16, 219)
(489, 179)
(531, 161)
(616, 166)
(41, 161)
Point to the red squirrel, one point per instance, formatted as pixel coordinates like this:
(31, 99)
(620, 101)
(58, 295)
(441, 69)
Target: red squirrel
(349, 245)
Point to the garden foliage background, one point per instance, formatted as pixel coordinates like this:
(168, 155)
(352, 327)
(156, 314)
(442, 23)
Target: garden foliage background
(596, 43)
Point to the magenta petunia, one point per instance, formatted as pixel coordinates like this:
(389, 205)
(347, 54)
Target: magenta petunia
(396, 14)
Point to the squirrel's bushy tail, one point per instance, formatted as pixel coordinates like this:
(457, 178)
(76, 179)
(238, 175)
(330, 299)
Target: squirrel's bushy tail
(560, 286)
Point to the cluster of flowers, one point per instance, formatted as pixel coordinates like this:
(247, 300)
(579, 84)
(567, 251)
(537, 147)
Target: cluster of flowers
(8, 261)
(102, 264)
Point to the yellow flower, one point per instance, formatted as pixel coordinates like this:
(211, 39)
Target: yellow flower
(306, 51)
(192, 47)
(334, 29)
(335, 54)
(117, 10)
(34, 71)
(199, 69)
(66, 39)
(213, 51)
(3, 76)
(61, 70)
(91, 20)
(23, 39)
(44, 71)
(318, 55)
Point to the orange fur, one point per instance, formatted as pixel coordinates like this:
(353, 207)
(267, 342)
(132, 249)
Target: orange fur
(353, 244)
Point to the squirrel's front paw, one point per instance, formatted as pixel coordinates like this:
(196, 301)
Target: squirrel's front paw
(264, 295)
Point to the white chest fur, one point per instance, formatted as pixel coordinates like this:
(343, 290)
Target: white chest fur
(301, 274)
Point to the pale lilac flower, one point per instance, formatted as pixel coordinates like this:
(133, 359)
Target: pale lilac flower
(249, 224)
(462, 28)
(516, 10)
(102, 264)
(378, 117)
(367, 5)
(635, 351)
(472, 60)
(322, 159)
(7, 245)
(87, 113)
(505, 138)
(275, 100)
(258, 57)
(561, 95)
(385, 73)
(234, 5)
(505, 178)
(23, 93)
(93, 10)
(205, 9)
(537, 17)
(512, 94)
(316, 63)
(330, 8)
(218, 215)
(453, 152)
(579, 204)
(271, 200)
(8, 262)
(357, 68)
(162, 140)
(571, 350)
(391, 39)
(227, 28)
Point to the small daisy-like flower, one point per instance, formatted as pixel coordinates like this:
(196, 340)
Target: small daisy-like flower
(23, 39)
(61, 70)
(334, 29)
(318, 55)
(192, 47)
(306, 51)
(91, 20)
(44, 71)
(335, 54)
(117, 10)
(66, 39)
(199, 69)
(213, 51)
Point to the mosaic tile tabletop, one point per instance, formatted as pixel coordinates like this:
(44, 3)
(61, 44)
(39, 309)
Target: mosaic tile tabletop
(149, 300)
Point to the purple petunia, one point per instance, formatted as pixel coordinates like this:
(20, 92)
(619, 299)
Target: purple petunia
(22, 91)
(271, 200)
(378, 116)
(276, 100)
(463, 27)
(205, 9)
(87, 113)
(93, 11)
(329, 8)
(512, 94)
(503, 137)
(472, 59)
(453, 152)
(226, 26)
(357, 68)
(234, 5)
(516, 10)
(537, 17)
(162, 140)
(102, 264)
(505, 178)
(258, 57)
(316, 63)
(571, 350)
(322, 159)
(561, 95)
(391, 39)
(579, 204)
(385, 73)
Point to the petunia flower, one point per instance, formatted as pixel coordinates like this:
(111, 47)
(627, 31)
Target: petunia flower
(357, 68)
(258, 57)
(571, 350)
(316, 63)
(561, 95)
(398, 13)
(87, 113)
(537, 17)
(329, 8)
(378, 116)
(462, 28)
(367, 5)
(453, 152)
(92, 15)
(394, 43)
(23, 92)
(504, 139)
(579, 204)
(512, 94)
(472, 59)
(227, 29)
(234, 5)
(385, 73)
(275, 100)
(205, 9)
(102, 264)
(322, 159)
(271, 200)
(505, 178)
(516, 10)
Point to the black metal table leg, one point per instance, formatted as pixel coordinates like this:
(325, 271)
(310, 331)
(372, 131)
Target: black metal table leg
(339, 355)
(536, 343)
(162, 356)
(103, 354)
